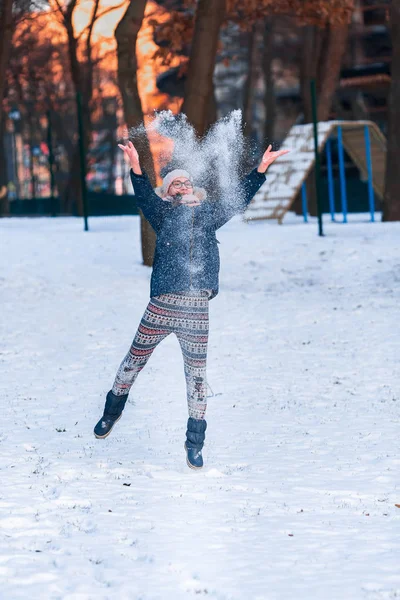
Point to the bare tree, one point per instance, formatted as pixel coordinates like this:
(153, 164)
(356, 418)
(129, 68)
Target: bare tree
(322, 54)
(6, 33)
(253, 59)
(323, 51)
(82, 77)
(12, 13)
(391, 202)
(199, 87)
(330, 15)
(269, 95)
(126, 35)
(39, 80)
(82, 70)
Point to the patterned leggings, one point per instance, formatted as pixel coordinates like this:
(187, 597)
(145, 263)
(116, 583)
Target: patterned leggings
(186, 315)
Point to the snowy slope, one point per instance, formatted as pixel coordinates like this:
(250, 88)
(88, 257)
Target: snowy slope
(297, 499)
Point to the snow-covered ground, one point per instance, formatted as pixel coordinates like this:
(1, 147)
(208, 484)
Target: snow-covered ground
(297, 497)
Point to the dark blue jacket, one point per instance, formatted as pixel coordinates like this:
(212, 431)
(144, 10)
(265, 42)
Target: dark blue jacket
(186, 256)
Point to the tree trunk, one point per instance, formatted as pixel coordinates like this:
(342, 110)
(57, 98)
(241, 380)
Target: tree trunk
(126, 35)
(323, 51)
(391, 202)
(269, 96)
(199, 83)
(330, 61)
(312, 39)
(72, 201)
(212, 109)
(61, 136)
(111, 173)
(4, 203)
(251, 80)
(6, 31)
(83, 85)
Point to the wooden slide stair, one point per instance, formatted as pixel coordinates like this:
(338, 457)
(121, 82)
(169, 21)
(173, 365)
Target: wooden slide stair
(287, 175)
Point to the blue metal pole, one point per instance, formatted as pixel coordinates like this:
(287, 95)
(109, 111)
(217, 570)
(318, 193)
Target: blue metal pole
(342, 172)
(331, 188)
(371, 196)
(304, 201)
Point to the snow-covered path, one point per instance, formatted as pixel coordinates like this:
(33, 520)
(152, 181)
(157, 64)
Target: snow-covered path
(297, 499)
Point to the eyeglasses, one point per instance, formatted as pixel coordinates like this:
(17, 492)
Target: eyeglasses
(180, 184)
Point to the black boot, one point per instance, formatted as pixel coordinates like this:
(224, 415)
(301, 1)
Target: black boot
(112, 413)
(195, 435)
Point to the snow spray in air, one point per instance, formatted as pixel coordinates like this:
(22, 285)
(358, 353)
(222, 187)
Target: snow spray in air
(215, 162)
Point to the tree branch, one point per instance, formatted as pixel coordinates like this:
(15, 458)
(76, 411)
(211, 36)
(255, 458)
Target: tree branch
(90, 30)
(97, 17)
(60, 9)
(108, 10)
(89, 72)
(70, 9)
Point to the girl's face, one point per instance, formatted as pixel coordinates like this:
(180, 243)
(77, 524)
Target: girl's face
(180, 185)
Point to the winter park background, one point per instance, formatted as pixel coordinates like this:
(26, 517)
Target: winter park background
(303, 365)
(299, 498)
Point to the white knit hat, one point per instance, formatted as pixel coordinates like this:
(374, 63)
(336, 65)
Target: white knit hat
(168, 179)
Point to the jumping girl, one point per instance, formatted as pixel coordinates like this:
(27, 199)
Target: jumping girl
(184, 279)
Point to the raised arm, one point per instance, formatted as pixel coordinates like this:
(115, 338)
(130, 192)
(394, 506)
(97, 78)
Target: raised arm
(147, 200)
(248, 187)
(242, 196)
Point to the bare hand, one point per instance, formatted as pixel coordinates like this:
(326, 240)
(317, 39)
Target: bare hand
(269, 157)
(131, 156)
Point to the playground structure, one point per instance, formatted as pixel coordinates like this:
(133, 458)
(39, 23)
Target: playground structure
(364, 143)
